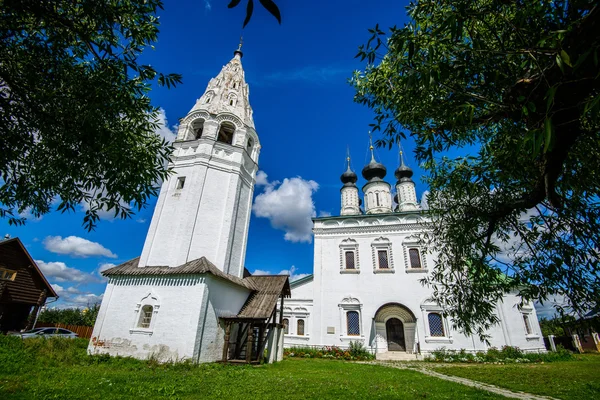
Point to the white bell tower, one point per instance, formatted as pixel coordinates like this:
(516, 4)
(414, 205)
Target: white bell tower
(204, 207)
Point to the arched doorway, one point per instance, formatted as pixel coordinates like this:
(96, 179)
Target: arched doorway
(394, 328)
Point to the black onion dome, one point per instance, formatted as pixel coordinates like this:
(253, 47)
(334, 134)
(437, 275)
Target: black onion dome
(374, 171)
(403, 172)
(349, 177)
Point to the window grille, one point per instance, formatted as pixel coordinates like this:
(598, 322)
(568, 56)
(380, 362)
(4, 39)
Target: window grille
(382, 255)
(146, 316)
(350, 260)
(353, 323)
(415, 258)
(436, 324)
(527, 324)
(286, 326)
(300, 330)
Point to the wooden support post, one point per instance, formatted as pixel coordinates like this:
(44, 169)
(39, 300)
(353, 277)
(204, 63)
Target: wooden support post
(36, 309)
(226, 344)
(281, 311)
(261, 334)
(249, 343)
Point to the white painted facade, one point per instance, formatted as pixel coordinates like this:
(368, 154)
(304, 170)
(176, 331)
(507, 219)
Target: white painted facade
(364, 278)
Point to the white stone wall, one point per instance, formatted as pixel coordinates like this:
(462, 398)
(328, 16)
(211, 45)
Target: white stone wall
(299, 306)
(174, 325)
(367, 288)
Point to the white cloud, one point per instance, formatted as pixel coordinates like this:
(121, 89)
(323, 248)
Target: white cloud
(207, 5)
(73, 297)
(26, 213)
(76, 246)
(163, 130)
(288, 206)
(291, 272)
(57, 271)
(103, 267)
(324, 214)
(140, 220)
(261, 178)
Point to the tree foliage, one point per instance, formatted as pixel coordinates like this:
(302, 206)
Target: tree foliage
(502, 98)
(77, 125)
(70, 316)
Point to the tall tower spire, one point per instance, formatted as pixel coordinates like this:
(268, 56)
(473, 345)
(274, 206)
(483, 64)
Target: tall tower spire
(378, 198)
(349, 192)
(405, 187)
(203, 209)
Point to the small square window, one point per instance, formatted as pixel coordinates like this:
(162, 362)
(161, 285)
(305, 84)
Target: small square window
(7, 274)
(382, 256)
(180, 182)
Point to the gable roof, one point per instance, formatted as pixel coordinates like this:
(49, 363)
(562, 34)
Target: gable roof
(260, 304)
(198, 266)
(16, 242)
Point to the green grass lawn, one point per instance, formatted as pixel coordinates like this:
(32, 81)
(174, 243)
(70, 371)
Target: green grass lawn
(59, 369)
(563, 379)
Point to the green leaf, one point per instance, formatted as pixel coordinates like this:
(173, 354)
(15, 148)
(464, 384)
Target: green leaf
(550, 97)
(249, 11)
(548, 130)
(272, 8)
(565, 57)
(233, 3)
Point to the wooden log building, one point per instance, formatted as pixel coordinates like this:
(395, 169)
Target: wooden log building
(23, 287)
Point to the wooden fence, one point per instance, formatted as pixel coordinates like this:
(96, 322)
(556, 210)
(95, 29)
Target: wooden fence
(81, 331)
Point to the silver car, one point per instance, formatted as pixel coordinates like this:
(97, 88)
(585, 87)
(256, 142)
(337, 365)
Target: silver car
(48, 332)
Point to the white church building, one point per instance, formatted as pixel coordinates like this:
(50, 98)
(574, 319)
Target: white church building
(366, 281)
(188, 295)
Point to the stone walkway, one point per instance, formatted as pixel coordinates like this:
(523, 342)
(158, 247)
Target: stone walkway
(467, 382)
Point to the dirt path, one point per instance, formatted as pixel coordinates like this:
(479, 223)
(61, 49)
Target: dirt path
(463, 381)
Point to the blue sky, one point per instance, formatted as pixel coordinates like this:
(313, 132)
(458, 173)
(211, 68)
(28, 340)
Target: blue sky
(304, 115)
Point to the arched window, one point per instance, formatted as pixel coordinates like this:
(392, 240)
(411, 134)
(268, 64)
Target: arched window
(436, 324)
(226, 133)
(145, 316)
(286, 326)
(198, 128)
(208, 97)
(415, 258)
(249, 145)
(353, 323)
(232, 99)
(300, 330)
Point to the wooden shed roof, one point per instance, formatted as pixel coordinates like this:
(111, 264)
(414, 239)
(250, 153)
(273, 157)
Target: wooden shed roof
(260, 304)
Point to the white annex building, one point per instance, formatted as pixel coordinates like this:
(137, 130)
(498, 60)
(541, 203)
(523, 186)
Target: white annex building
(188, 295)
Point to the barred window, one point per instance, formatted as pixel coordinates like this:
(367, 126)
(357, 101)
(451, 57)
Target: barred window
(286, 326)
(350, 260)
(382, 256)
(527, 324)
(146, 316)
(300, 330)
(415, 258)
(353, 323)
(436, 324)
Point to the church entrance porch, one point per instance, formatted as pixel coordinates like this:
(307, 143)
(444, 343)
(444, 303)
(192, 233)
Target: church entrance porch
(395, 329)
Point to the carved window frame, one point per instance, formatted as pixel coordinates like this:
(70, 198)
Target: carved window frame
(427, 309)
(414, 242)
(349, 245)
(382, 244)
(527, 313)
(153, 301)
(350, 303)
